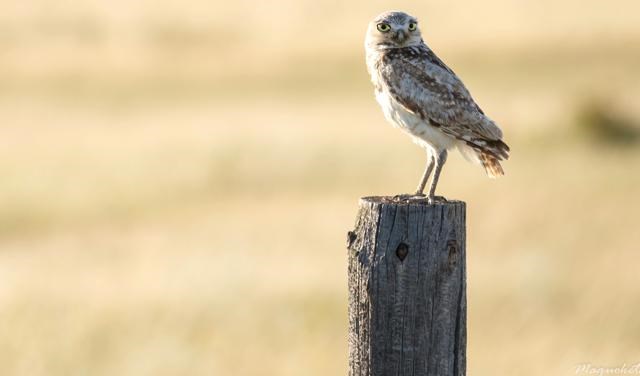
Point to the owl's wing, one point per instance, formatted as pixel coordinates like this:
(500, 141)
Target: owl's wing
(425, 86)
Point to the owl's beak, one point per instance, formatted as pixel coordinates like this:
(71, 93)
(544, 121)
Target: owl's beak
(400, 36)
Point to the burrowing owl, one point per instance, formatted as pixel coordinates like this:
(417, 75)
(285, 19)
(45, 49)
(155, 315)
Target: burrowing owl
(423, 97)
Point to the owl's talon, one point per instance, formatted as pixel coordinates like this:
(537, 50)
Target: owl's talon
(433, 199)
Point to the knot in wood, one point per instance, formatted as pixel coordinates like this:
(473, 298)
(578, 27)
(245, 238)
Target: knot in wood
(351, 237)
(452, 246)
(402, 251)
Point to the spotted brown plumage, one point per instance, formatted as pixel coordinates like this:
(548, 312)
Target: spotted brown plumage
(422, 96)
(444, 102)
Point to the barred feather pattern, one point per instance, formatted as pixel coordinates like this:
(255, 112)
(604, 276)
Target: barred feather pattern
(490, 153)
(491, 165)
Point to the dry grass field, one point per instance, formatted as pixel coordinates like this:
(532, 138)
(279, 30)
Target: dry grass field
(178, 179)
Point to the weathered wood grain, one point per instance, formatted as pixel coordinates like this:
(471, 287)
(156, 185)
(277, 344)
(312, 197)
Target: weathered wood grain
(407, 289)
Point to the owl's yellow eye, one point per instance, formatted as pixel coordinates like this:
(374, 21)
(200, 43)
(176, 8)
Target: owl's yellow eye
(383, 27)
(413, 26)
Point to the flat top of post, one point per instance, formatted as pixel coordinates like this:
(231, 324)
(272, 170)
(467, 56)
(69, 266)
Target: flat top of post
(417, 201)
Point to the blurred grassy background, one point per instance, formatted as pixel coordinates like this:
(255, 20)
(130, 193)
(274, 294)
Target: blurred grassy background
(178, 179)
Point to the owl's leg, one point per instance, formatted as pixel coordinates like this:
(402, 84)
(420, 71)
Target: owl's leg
(440, 160)
(427, 173)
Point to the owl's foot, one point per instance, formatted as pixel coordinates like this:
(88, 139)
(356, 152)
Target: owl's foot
(433, 199)
(409, 197)
(419, 197)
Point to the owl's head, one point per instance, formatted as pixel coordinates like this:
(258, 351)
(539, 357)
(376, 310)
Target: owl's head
(393, 30)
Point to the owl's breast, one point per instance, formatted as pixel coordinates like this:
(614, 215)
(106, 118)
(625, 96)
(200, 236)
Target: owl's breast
(420, 130)
(396, 114)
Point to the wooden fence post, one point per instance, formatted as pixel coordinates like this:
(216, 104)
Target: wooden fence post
(407, 289)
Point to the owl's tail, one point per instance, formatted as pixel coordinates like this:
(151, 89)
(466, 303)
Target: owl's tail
(491, 165)
(488, 153)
